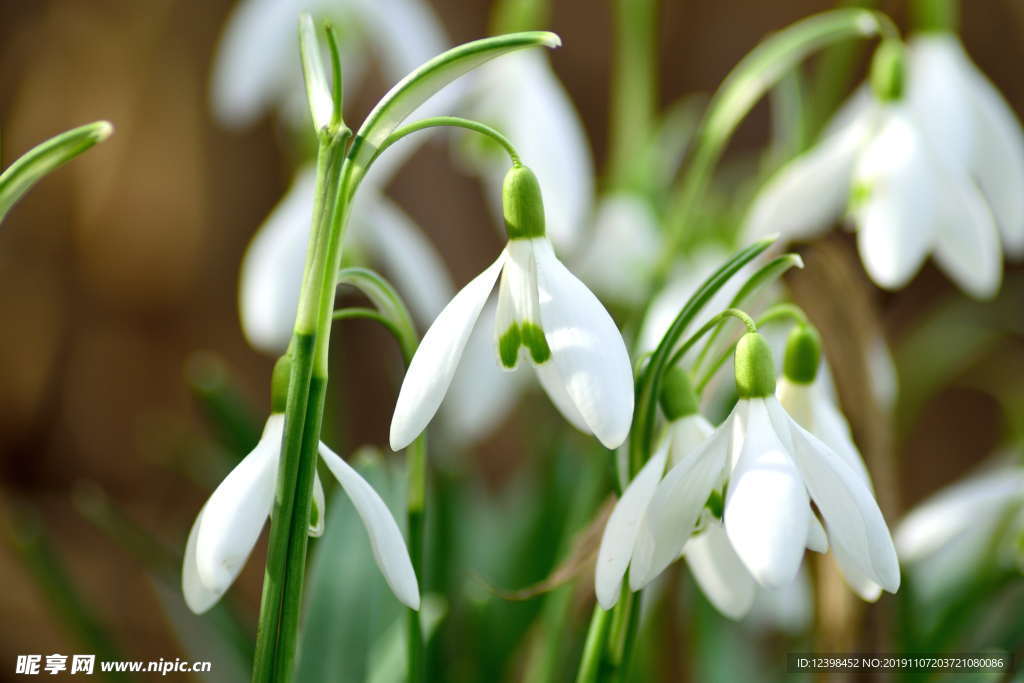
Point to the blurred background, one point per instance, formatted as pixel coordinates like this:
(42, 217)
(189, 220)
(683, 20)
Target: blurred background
(126, 384)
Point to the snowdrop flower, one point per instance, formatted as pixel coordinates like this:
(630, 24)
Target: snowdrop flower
(968, 122)
(521, 96)
(903, 195)
(766, 469)
(686, 431)
(622, 249)
(229, 524)
(271, 273)
(257, 67)
(544, 309)
(977, 520)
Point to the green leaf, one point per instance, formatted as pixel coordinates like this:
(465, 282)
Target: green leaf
(421, 84)
(44, 158)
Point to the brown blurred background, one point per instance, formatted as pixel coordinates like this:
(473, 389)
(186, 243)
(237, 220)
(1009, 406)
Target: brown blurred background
(117, 269)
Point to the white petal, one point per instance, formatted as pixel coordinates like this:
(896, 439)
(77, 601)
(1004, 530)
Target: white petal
(687, 434)
(236, 512)
(256, 54)
(967, 240)
(198, 597)
(555, 388)
(318, 513)
(521, 96)
(386, 542)
(482, 393)
(433, 366)
(896, 218)
(882, 370)
(586, 349)
(817, 539)
(855, 578)
(271, 275)
(809, 194)
(846, 504)
(620, 533)
(403, 252)
(766, 508)
(939, 93)
(719, 572)
(958, 509)
(998, 162)
(621, 250)
(676, 506)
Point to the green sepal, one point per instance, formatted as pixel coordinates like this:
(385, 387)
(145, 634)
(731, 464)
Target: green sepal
(279, 383)
(522, 204)
(533, 339)
(888, 68)
(755, 370)
(678, 399)
(803, 354)
(508, 346)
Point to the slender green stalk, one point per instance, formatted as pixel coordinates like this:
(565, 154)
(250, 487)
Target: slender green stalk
(634, 91)
(940, 16)
(594, 648)
(453, 122)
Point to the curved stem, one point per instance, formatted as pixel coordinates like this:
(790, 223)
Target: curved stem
(452, 122)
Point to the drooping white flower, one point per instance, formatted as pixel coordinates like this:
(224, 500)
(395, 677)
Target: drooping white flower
(617, 260)
(905, 197)
(521, 96)
(271, 274)
(976, 521)
(771, 469)
(257, 69)
(966, 119)
(229, 524)
(544, 309)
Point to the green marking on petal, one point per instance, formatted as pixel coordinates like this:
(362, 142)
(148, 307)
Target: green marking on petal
(533, 339)
(859, 195)
(716, 504)
(508, 346)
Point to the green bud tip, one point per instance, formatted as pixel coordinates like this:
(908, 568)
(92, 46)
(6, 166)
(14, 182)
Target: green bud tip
(678, 399)
(803, 354)
(887, 71)
(279, 383)
(755, 370)
(523, 204)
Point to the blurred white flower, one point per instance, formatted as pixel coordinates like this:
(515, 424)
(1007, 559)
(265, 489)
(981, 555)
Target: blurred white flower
(968, 122)
(617, 258)
(978, 520)
(573, 344)
(683, 436)
(904, 196)
(521, 96)
(257, 65)
(271, 274)
(777, 469)
(229, 524)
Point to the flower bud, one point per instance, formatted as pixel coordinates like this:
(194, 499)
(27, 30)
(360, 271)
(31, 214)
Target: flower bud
(522, 204)
(755, 370)
(887, 71)
(279, 381)
(678, 399)
(803, 353)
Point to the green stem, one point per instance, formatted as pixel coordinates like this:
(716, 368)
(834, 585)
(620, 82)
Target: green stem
(634, 91)
(280, 605)
(594, 648)
(453, 122)
(939, 16)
